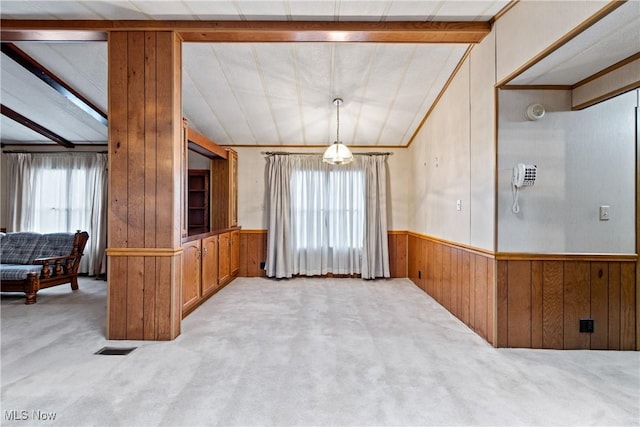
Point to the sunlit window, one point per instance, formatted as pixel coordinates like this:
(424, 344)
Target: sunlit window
(327, 208)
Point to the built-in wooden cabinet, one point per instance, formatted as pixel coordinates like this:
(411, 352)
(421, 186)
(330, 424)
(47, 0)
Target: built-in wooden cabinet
(224, 272)
(191, 274)
(209, 265)
(211, 236)
(198, 199)
(209, 262)
(224, 200)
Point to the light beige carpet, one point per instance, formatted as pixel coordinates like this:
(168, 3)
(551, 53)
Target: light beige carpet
(298, 352)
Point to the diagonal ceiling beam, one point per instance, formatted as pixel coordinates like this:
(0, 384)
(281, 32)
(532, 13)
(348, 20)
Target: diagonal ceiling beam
(38, 70)
(17, 117)
(256, 31)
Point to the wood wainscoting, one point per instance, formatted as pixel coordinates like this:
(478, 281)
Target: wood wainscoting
(541, 299)
(253, 253)
(460, 278)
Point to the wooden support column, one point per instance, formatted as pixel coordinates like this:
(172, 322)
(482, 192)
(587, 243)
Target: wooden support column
(145, 127)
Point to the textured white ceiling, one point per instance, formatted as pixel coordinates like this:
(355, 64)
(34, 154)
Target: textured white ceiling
(281, 93)
(610, 40)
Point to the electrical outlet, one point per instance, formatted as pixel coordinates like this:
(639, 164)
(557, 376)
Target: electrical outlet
(586, 326)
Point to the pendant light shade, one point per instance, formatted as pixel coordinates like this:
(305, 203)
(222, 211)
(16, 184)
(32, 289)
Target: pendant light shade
(337, 153)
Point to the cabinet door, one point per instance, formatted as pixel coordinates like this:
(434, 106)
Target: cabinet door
(224, 272)
(190, 274)
(234, 252)
(209, 265)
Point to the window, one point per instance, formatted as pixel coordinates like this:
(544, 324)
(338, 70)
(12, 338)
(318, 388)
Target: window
(327, 213)
(326, 219)
(61, 203)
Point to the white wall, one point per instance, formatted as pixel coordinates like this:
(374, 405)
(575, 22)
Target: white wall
(441, 166)
(252, 186)
(585, 159)
(453, 158)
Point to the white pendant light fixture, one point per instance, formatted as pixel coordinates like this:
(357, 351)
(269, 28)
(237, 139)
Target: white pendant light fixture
(337, 153)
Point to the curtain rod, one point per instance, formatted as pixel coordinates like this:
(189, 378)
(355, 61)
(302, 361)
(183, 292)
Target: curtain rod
(52, 152)
(287, 153)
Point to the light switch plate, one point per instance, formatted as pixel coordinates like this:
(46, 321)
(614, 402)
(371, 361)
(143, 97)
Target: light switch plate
(604, 213)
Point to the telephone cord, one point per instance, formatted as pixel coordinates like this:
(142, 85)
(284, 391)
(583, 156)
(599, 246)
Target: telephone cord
(516, 207)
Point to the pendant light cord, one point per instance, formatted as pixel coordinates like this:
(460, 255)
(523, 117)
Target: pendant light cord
(338, 102)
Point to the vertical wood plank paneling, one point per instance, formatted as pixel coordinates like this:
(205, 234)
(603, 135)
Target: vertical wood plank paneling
(436, 267)
(169, 133)
(613, 336)
(391, 243)
(465, 287)
(150, 167)
(445, 279)
(600, 305)
(244, 255)
(628, 306)
(472, 291)
(135, 292)
(480, 295)
(536, 304)
(117, 299)
(164, 322)
(424, 252)
(149, 297)
(502, 303)
(576, 303)
(117, 206)
(427, 251)
(144, 168)
(519, 304)
(401, 255)
(412, 258)
(136, 104)
(255, 244)
(135, 182)
(491, 301)
(455, 283)
(530, 303)
(553, 305)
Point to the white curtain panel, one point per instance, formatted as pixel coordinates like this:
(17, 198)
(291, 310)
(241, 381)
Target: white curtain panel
(66, 192)
(19, 191)
(322, 218)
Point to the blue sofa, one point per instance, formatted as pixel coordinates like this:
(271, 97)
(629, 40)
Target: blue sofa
(33, 261)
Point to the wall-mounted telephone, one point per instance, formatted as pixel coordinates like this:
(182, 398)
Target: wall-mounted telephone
(523, 176)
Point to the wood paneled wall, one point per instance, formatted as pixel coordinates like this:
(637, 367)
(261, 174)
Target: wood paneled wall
(540, 303)
(253, 252)
(461, 279)
(145, 128)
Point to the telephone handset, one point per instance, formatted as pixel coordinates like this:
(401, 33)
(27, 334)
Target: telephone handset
(523, 176)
